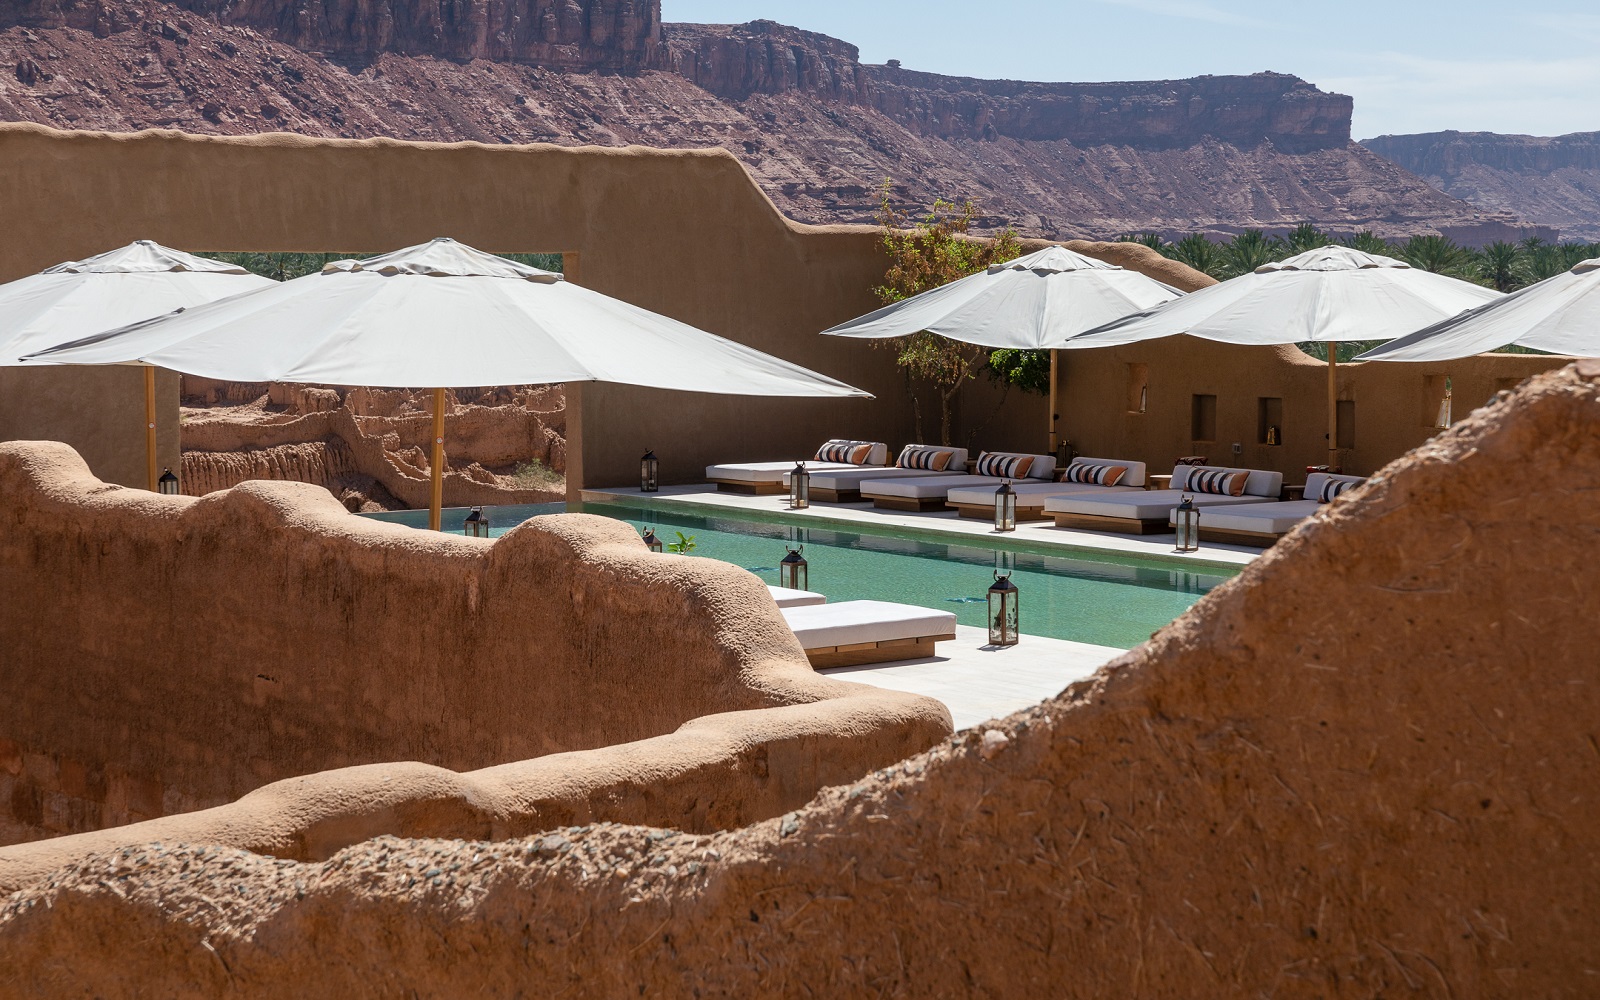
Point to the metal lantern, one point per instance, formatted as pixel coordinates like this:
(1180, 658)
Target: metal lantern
(168, 483)
(651, 541)
(799, 487)
(793, 572)
(1005, 508)
(476, 524)
(1186, 521)
(649, 473)
(1004, 614)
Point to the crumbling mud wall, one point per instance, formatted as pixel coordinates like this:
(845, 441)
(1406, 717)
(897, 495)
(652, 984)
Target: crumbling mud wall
(372, 447)
(1365, 767)
(164, 654)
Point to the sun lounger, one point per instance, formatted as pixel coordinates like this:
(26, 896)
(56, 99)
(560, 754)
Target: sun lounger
(789, 598)
(768, 477)
(1148, 512)
(844, 485)
(930, 493)
(978, 501)
(1265, 523)
(855, 632)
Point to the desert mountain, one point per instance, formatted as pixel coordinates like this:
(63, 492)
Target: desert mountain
(1553, 181)
(818, 129)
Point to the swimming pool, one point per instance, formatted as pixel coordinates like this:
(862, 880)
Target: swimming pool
(1109, 600)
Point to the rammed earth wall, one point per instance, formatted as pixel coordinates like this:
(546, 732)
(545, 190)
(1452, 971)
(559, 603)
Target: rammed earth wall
(164, 654)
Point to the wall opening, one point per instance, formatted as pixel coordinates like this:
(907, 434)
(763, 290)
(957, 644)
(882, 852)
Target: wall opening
(1346, 423)
(1437, 406)
(1203, 418)
(1269, 420)
(1138, 387)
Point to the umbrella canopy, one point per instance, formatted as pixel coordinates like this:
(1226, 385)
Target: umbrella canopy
(444, 314)
(1034, 302)
(1560, 314)
(1326, 295)
(74, 300)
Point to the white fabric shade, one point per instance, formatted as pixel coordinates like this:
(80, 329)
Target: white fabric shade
(444, 314)
(1329, 294)
(77, 299)
(1560, 314)
(1034, 302)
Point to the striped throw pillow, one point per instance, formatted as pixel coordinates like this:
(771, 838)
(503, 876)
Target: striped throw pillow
(1094, 475)
(844, 452)
(1333, 487)
(1001, 465)
(921, 456)
(1217, 481)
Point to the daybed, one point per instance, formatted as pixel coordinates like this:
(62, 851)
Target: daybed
(1081, 477)
(916, 461)
(1148, 512)
(1265, 523)
(930, 493)
(856, 632)
(768, 477)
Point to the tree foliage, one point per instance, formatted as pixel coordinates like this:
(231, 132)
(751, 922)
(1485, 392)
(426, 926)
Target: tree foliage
(932, 251)
(288, 266)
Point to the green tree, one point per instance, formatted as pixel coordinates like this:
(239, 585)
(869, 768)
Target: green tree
(926, 254)
(1502, 265)
(1027, 370)
(1199, 253)
(1367, 241)
(1439, 254)
(1248, 251)
(1305, 237)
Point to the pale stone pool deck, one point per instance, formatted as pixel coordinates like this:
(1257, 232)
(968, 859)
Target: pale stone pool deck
(977, 682)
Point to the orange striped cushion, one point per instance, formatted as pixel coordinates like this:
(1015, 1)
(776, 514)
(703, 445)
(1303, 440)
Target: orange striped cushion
(1096, 475)
(1000, 465)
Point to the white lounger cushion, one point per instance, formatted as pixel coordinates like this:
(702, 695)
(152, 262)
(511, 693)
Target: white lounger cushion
(1141, 505)
(788, 598)
(1261, 518)
(849, 479)
(1268, 485)
(765, 472)
(1032, 495)
(922, 488)
(819, 626)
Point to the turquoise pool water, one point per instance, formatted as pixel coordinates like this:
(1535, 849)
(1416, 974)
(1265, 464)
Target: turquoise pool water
(1104, 599)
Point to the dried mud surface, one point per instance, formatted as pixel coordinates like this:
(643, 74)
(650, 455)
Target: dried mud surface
(1364, 768)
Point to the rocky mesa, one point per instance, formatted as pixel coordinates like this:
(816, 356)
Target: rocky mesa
(1550, 180)
(817, 128)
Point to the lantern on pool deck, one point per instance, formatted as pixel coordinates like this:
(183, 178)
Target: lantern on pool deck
(651, 541)
(1005, 508)
(799, 487)
(793, 571)
(1004, 616)
(649, 473)
(476, 524)
(1186, 522)
(168, 483)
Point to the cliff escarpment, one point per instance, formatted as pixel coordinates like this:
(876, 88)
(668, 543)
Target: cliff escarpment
(818, 129)
(1552, 180)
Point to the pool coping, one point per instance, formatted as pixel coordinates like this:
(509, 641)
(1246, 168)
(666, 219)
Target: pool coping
(1037, 538)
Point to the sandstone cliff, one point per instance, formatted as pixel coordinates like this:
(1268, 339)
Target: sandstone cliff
(1554, 181)
(817, 128)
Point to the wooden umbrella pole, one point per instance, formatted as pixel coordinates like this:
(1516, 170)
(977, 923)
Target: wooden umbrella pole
(1054, 415)
(1333, 406)
(150, 428)
(436, 504)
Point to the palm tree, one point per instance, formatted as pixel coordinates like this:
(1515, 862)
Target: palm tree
(1367, 241)
(1151, 240)
(1199, 253)
(1305, 237)
(1439, 254)
(1248, 251)
(1502, 265)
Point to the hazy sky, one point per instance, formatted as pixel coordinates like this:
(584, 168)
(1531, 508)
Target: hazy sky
(1474, 65)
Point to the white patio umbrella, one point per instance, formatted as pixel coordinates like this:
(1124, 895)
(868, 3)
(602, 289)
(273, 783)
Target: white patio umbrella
(71, 301)
(443, 314)
(1326, 295)
(1036, 302)
(1560, 314)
